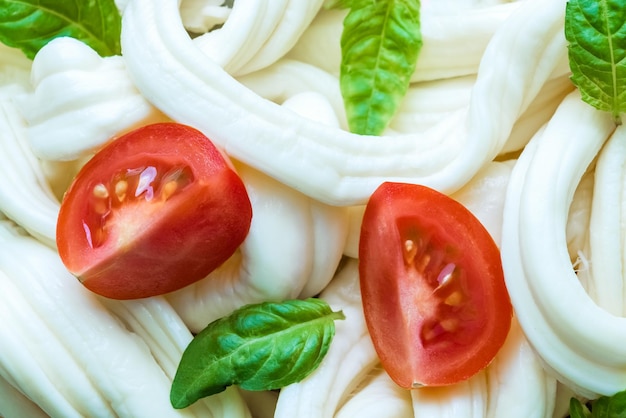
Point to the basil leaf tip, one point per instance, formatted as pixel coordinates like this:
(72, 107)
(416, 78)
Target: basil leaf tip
(596, 33)
(262, 346)
(380, 44)
(577, 409)
(30, 24)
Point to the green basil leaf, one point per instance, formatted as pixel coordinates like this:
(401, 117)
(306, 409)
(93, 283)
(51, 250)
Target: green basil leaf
(31, 24)
(577, 409)
(610, 406)
(596, 32)
(603, 407)
(380, 44)
(258, 347)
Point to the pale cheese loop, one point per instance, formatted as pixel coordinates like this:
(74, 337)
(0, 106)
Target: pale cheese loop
(80, 101)
(296, 17)
(538, 112)
(14, 403)
(25, 195)
(578, 340)
(329, 164)
(14, 72)
(287, 78)
(257, 33)
(606, 235)
(378, 396)
(428, 103)
(517, 373)
(201, 16)
(329, 223)
(91, 364)
(466, 399)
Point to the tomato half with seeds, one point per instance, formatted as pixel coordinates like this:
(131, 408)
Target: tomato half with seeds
(433, 290)
(155, 210)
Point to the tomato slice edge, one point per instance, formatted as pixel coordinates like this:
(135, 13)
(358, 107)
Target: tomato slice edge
(405, 361)
(211, 171)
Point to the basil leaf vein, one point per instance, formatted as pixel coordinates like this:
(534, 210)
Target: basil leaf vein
(31, 24)
(380, 44)
(596, 32)
(258, 347)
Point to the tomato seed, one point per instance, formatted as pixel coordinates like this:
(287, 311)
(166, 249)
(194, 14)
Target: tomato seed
(100, 191)
(449, 324)
(410, 250)
(169, 189)
(121, 187)
(454, 299)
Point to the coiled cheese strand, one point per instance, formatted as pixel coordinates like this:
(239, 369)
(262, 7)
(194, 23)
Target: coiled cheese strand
(467, 399)
(80, 101)
(257, 33)
(65, 351)
(517, 373)
(578, 340)
(200, 16)
(25, 195)
(328, 164)
(607, 242)
(378, 397)
(14, 404)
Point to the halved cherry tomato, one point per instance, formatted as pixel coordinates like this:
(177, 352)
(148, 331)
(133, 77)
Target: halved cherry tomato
(433, 290)
(153, 211)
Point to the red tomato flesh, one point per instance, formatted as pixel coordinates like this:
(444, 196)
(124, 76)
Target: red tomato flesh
(155, 210)
(432, 284)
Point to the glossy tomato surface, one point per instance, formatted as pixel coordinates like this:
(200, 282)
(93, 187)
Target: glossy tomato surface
(153, 211)
(433, 289)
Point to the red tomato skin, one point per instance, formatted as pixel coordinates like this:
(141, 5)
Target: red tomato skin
(405, 309)
(158, 246)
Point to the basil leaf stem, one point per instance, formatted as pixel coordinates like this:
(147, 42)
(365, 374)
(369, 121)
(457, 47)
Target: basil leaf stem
(596, 32)
(258, 347)
(380, 44)
(31, 24)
